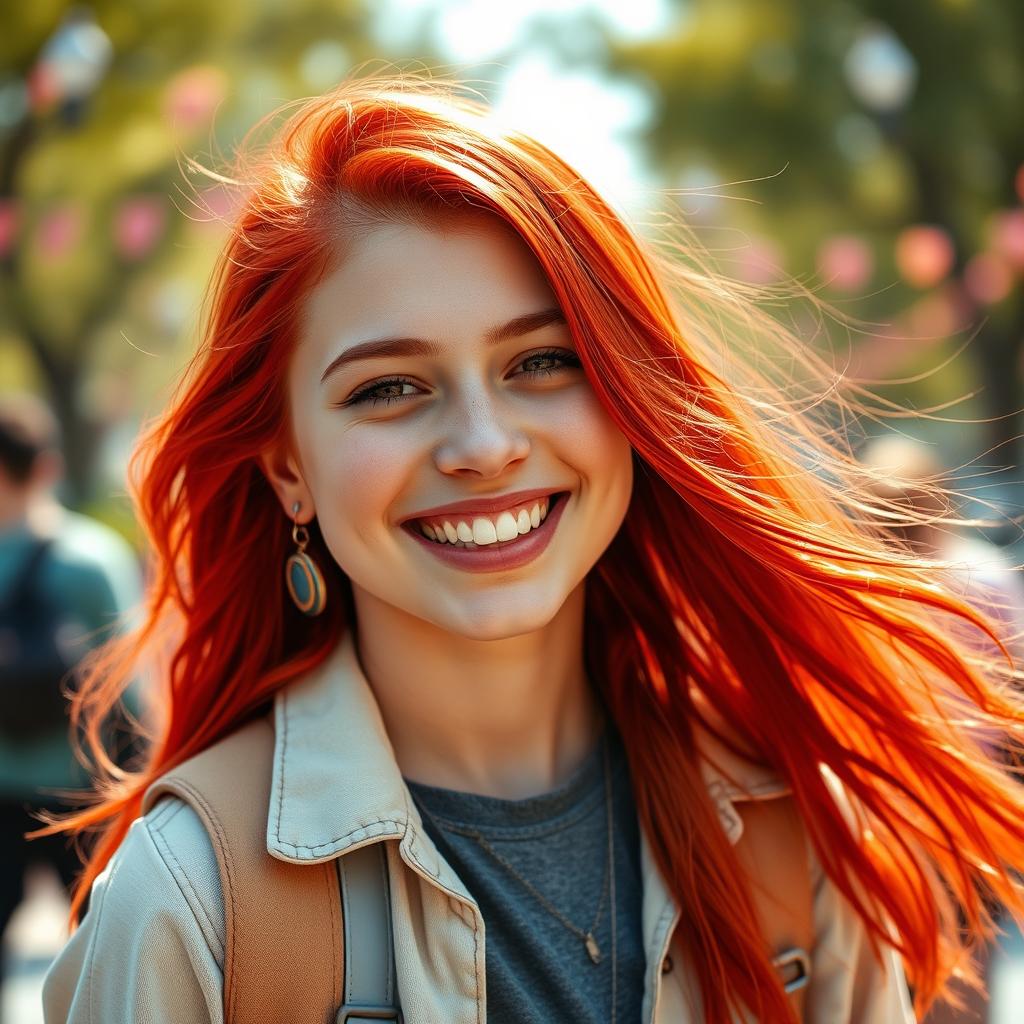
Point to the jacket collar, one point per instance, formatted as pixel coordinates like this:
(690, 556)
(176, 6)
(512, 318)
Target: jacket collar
(336, 783)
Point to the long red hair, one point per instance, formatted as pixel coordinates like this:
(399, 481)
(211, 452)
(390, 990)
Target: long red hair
(752, 573)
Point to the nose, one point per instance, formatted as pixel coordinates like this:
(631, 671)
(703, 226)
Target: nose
(483, 437)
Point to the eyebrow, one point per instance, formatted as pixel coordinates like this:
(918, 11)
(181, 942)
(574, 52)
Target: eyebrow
(383, 348)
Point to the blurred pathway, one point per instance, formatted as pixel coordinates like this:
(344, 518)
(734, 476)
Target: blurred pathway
(37, 933)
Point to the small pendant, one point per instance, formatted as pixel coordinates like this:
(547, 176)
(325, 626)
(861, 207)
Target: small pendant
(592, 948)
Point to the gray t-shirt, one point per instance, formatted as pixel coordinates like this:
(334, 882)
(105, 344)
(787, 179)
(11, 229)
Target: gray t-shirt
(538, 971)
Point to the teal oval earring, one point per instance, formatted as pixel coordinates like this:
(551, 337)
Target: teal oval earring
(302, 575)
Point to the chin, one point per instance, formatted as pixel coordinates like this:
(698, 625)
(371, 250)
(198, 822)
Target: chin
(495, 623)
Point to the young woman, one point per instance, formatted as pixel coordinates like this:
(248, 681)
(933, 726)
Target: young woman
(605, 636)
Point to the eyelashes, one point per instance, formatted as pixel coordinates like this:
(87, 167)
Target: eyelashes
(371, 393)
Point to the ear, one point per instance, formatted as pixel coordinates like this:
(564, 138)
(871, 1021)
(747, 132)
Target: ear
(282, 470)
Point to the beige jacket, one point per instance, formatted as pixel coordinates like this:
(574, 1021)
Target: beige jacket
(151, 948)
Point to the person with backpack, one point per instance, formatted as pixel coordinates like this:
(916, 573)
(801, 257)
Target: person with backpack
(65, 581)
(514, 665)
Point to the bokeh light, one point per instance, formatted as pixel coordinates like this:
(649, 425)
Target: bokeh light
(939, 314)
(880, 71)
(760, 262)
(988, 278)
(924, 255)
(9, 221)
(138, 224)
(1007, 236)
(192, 96)
(845, 263)
(60, 231)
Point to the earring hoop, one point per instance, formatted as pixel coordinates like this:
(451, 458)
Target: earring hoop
(302, 575)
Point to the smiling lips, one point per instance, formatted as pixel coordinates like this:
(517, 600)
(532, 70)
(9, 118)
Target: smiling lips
(482, 530)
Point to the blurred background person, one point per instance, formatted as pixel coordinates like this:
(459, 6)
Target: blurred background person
(65, 581)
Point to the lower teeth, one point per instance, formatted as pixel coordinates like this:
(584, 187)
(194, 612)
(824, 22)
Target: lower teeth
(471, 545)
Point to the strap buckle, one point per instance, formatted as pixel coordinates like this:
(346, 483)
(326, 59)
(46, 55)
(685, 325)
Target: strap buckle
(788, 959)
(356, 1013)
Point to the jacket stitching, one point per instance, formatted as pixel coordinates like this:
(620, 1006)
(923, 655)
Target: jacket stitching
(164, 847)
(218, 837)
(346, 924)
(331, 880)
(325, 847)
(665, 933)
(281, 766)
(412, 839)
(162, 810)
(386, 884)
(461, 911)
(476, 966)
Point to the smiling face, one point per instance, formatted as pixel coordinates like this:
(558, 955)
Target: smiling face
(466, 414)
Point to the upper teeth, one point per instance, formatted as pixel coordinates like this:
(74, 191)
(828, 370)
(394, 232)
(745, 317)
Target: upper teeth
(483, 530)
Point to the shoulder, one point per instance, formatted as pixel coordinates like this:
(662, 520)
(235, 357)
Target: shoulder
(165, 872)
(155, 926)
(93, 558)
(92, 540)
(183, 845)
(88, 542)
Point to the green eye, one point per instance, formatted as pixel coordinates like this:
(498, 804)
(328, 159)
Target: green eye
(375, 392)
(559, 355)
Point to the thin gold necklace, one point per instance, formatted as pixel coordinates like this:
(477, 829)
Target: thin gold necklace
(587, 937)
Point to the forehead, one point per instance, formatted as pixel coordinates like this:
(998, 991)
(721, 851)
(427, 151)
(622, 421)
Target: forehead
(429, 279)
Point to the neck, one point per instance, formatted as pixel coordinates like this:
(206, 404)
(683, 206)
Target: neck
(510, 718)
(13, 510)
(33, 507)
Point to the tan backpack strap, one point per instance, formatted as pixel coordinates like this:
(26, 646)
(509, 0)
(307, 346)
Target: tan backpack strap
(283, 930)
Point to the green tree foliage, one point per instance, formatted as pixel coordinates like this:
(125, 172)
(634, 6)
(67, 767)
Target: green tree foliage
(103, 238)
(862, 118)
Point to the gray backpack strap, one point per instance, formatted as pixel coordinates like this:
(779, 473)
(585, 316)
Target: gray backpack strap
(370, 990)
